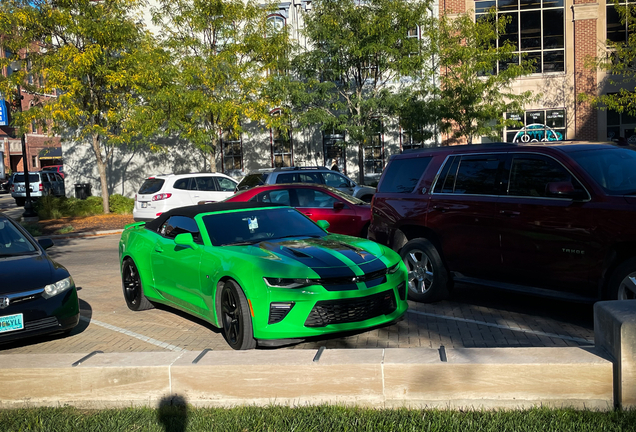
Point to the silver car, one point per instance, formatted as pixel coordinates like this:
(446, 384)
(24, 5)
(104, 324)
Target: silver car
(41, 183)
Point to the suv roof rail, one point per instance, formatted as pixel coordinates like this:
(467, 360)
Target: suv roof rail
(295, 168)
(461, 146)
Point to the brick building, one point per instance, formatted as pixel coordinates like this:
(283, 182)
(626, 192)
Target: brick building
(561, 35)
(41, 149)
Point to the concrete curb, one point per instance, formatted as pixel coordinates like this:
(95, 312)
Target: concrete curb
(470, 378)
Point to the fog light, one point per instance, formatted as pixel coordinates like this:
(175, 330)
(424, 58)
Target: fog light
(278, 311)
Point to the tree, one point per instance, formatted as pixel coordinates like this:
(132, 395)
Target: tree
(620, 66)
(358, 56)
(224, 52)
(470, 87)
(98, 60)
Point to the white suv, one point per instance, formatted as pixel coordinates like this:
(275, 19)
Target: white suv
(161, 193)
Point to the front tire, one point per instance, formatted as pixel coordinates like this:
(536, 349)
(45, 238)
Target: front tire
(235, 316)
(622, 284)
(133, 290)
(427, 275)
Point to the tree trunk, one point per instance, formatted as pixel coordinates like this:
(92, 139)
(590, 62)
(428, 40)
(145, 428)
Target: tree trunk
(101, 167)
(360, 163)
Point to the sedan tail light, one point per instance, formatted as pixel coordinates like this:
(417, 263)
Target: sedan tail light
(161, 196)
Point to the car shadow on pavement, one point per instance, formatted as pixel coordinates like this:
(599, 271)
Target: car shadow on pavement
(188, 317)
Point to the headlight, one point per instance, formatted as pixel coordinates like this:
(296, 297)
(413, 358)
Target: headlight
(288, 283)
(394, 268)
(58, 287)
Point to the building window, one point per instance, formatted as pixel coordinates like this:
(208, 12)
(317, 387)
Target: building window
(621, 125)
(281, 146)
(34, 161)
(410, 139)
(34, 127)
(333, 147)
(537, 125)
(618, 31)
(232, 151)
(276, 22)
(373, 154)
(536, 29)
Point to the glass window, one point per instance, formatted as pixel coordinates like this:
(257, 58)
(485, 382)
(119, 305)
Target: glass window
(232, 151)
(477, 175)
(538, 125)
(12, 241)
(402, 175)
(206, 184)
(612, 168)
(530, 175)
(150, 186)
(182, 184)
(620, 126)
(373, 154)
(618, 31)
(280, 196)
(336, 180)
(225, 184)
(282, 146)
(176, 225)
(297, 177)
(446, 181)
(322, 199)
(535, 28)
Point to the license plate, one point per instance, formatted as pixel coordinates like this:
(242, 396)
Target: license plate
(11, 322)
(144, 204)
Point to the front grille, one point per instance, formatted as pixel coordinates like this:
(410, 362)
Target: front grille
(41, 324)
(343, 311)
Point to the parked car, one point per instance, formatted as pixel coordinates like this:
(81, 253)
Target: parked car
(555, 220)
(41, 183)
(346, 214)
(317, 175)
(55, 168)
(263, 274)
(37, 295)
(160, 193)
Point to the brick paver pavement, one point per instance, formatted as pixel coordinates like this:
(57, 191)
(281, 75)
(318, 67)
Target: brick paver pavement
(475, 317)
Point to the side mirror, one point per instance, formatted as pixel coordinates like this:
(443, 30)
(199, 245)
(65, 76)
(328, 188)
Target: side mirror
(45, 243)
(323, 224)
(185, 239)
(338, 205)
(565, 189)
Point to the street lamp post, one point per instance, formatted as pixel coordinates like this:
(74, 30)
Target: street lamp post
(29, 214)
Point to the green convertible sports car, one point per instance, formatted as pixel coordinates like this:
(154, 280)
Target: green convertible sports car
(261, 272)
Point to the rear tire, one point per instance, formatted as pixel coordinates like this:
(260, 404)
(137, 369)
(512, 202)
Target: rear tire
(622, 285)
(427, 275)
(133, 290)
(235, 317)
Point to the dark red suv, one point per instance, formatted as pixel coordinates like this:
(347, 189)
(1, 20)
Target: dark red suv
(556, 220)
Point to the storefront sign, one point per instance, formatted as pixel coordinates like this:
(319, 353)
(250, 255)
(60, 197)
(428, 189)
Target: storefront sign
(4, 116)
(536, 133)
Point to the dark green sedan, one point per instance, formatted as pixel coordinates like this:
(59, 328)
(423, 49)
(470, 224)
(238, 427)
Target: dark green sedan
(265, 274)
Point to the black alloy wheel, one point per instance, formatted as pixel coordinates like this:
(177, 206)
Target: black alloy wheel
(133, 291)
(237, 324)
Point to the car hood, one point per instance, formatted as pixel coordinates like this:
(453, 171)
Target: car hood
(25, 272)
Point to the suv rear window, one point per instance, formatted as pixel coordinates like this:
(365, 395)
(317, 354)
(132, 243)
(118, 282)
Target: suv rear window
(151, 186)
(252, 180)
(33, 178)
(403, 174)
(299, 178)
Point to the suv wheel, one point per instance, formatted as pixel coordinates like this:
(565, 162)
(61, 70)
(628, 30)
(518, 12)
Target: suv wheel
(427, 276)
(623, 281)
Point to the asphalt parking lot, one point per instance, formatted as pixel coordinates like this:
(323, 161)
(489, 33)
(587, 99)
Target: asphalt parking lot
(473, 317)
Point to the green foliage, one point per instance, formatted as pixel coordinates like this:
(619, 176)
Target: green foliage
(50, 207)
(224, 51)
(312, 418)
(620, 65)
(99, 61)
(121, 205)
(358, 58)
(33, 228)
(465, 95)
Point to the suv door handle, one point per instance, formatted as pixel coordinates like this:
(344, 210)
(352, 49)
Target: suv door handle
(509, 213)
(441, 208)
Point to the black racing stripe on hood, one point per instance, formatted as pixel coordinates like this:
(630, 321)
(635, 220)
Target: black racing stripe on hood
(326, 265)
(373, 266)
(355, 254)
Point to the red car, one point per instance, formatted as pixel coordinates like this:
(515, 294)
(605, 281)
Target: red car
(345, 214)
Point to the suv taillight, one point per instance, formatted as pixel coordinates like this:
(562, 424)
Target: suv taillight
(161, 196)
(12, 188)
(41, 187)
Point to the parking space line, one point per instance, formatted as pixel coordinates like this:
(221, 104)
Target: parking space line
(135, 335)
(513, 328)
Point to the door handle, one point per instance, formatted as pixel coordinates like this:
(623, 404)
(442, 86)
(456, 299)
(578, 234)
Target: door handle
(441, 208)
(308, 214)
(509, 213)
(158, 249)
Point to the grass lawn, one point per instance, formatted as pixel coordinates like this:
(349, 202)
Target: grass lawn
(320, 418)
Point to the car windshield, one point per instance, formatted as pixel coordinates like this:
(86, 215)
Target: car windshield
(613, 168)
(255, 225)
(33, 178)
(346, 197)
(13, 242)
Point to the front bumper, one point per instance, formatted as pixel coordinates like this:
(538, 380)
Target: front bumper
(315, 311)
